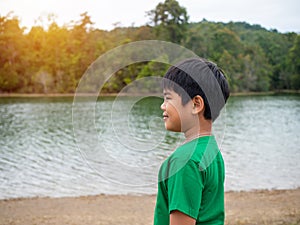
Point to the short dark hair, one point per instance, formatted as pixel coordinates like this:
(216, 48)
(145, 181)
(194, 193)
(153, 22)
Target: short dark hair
(197, 76)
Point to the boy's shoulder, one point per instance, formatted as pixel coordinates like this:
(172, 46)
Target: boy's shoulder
(195, 149)
(200, 151)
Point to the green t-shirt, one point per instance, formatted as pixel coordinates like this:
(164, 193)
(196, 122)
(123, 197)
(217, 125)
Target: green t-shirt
(191, 181)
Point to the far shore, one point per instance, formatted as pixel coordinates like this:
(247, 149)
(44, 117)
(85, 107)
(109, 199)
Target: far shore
(19, 95)
(247, 208)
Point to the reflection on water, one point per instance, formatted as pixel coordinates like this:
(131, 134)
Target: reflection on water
(262, 142)
(41, 156)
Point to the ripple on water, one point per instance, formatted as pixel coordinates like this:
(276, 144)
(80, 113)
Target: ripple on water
(40, 157)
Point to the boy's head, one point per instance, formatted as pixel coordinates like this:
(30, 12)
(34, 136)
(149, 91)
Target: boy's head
(197, 76)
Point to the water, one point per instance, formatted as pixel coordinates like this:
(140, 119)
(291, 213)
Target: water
(115, 146)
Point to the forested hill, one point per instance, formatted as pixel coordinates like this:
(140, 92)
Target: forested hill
(255, 59)
(53, 59)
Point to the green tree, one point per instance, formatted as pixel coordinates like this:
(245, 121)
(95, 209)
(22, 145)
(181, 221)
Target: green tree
(294, 64)
(256, 70)
(53, 58)
(36, 58)
(225, 39)
(170, 21)
(12, 47)
(232, 68)
(197, 41)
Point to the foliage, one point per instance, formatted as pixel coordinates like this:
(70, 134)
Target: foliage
(170, 21)
(293, 63)
(53, 59)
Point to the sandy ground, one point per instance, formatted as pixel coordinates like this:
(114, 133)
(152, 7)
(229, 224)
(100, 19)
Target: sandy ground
(258, 207)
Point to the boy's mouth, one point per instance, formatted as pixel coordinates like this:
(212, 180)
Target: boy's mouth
(165, 116)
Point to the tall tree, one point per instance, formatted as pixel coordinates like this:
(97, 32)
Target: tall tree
(170, 21)
(12, 46)
(294, 64)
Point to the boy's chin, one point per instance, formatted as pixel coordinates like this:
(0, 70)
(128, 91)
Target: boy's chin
(173, 129)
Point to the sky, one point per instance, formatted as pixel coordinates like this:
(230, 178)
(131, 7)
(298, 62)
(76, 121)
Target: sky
(282, 15)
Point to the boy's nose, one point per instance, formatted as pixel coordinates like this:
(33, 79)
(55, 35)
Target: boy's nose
(163, 106)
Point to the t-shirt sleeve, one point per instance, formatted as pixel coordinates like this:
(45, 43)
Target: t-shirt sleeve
(185, 190)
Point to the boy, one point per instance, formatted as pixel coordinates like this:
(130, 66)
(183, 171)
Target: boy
(191, 180)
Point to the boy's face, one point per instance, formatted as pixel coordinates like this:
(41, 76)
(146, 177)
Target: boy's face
(177, 117)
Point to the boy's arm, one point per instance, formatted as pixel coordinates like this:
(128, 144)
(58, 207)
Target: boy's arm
(179, 218)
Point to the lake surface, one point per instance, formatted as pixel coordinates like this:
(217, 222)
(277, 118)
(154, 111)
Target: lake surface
(52, 147)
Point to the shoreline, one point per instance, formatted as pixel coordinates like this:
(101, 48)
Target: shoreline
(243, 207)
(19, 95)
(142, 195)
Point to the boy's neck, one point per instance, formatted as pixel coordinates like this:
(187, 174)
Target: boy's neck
(204, 129)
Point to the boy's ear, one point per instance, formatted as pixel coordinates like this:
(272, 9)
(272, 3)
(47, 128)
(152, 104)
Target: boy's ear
(198, 104)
